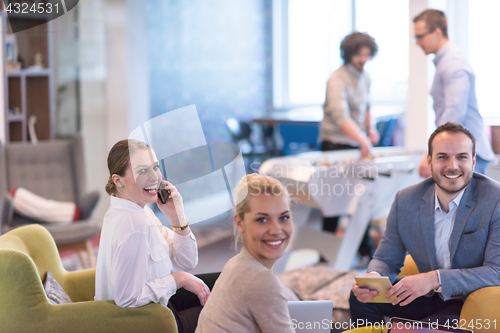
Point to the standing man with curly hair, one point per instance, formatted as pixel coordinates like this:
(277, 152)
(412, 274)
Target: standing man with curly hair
(347, 122)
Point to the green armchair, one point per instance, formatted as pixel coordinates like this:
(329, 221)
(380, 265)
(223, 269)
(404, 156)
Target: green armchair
(26, 254)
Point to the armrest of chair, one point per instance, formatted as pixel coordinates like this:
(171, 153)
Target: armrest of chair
(482, 304)
(7, 210)
(22, 298)
(87, 204)
(80, 285)
(106, 317)
(409, 268)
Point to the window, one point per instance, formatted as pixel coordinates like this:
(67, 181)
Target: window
(306, 39)
(307, 36)
(387, 21)
(314, 33)
(483, 52)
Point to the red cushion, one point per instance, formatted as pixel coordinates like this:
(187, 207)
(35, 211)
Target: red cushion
(77, 214)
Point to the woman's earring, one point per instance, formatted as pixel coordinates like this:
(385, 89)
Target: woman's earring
(120, 185)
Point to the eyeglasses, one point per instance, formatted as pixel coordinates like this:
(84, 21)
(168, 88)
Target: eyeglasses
(418, 37)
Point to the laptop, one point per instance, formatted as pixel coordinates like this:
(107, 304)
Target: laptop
(401, 325)
(311, 316)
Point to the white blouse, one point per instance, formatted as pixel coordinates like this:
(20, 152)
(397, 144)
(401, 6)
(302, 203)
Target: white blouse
(137, 255)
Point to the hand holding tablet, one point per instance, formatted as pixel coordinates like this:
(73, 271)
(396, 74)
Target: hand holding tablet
(382, 284)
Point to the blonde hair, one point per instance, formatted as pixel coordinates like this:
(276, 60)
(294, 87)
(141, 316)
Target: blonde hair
(250, 186)
(119, 160)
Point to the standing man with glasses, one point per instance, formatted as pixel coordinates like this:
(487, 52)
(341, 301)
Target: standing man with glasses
(454, 87)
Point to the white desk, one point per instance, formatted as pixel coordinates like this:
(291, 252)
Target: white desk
(339, 183)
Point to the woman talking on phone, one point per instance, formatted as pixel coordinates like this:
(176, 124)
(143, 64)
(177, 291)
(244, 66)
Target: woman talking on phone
(141, 261)
(248, 296)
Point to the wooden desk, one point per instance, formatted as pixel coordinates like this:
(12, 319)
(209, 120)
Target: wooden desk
(495, 139)
(300, 116)
(300, 122)
(494, 169)
(314, 115)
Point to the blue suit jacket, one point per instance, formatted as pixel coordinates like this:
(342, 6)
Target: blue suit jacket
(474, 242)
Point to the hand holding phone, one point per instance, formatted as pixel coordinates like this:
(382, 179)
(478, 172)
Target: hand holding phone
(163, 193)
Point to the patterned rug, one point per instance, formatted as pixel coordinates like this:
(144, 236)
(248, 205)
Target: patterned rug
(71, 262)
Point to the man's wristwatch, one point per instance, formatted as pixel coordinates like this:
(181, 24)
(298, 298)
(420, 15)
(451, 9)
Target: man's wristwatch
(181, 228)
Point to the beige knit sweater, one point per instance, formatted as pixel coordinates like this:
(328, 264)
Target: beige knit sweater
(247, 297)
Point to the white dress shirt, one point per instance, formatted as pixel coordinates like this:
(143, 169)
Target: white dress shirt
(443, 226)
(454, 95)
(137, 255)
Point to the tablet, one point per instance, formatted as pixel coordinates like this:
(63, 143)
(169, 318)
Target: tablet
(401, 325)
(382, 284)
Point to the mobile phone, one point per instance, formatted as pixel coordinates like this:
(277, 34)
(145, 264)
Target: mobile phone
(163, 193)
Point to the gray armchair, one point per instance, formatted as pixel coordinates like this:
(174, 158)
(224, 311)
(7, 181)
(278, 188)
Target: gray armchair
(53, 169)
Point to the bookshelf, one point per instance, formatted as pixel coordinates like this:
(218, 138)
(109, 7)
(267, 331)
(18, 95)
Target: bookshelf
(29, 91)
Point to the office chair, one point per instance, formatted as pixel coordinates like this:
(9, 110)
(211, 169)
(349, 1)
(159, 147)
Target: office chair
(241, 134)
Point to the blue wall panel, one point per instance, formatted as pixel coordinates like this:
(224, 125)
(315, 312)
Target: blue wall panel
(215, 54)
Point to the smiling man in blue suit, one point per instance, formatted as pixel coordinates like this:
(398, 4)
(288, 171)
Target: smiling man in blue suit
(450, 225)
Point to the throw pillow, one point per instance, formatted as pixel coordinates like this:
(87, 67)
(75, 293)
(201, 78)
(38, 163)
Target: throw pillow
(55, 293)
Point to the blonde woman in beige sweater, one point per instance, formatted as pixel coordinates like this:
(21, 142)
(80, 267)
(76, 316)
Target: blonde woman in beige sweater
(248, 296)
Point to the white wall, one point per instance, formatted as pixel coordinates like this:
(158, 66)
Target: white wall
(138, 69)
(418, 111)
(92, 59)
(114, 82)
(2, 90)
(117, 103)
